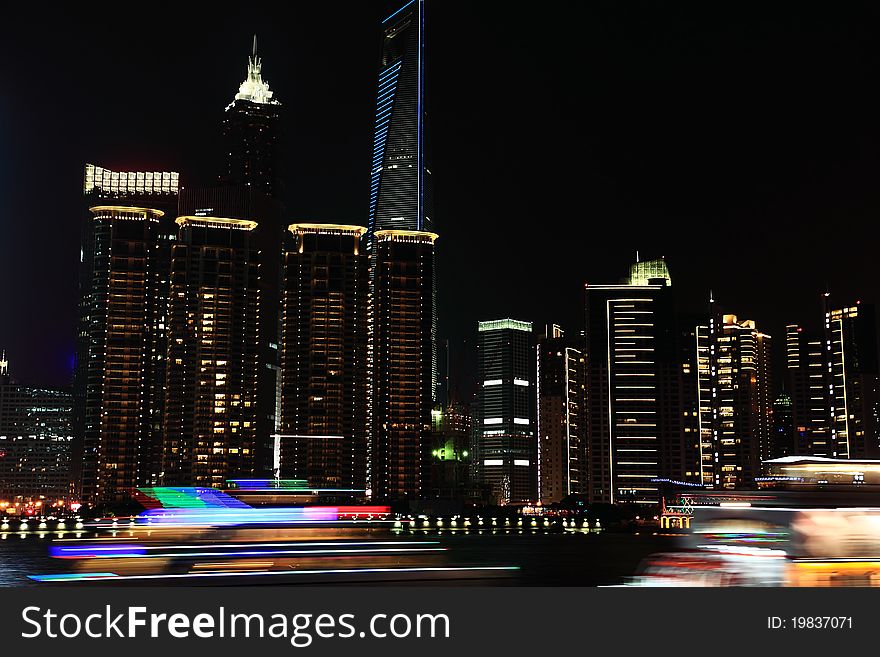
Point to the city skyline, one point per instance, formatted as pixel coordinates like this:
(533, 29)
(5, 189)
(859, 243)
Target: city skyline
(115, 135)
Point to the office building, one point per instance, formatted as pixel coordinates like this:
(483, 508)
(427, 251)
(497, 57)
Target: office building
(633, 379)
(561, 423)
(806, 382)
(323, 434)
(251, 133)
(400, 354)
(400, 187)
(853, 380)
(507, 447)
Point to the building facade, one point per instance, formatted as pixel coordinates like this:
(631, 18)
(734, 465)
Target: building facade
(736, 404)
(211, 412)
(853, 381)
(36, 436)
(127, 235)
(323, 435)
(400, 185)
(507, 448)
(561, 423)
(401, 365)
(633, 378)
(806, 381)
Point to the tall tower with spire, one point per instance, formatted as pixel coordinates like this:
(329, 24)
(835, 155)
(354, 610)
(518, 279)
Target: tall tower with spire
(251, 133)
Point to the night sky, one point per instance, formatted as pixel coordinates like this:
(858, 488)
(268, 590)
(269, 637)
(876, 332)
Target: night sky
(740, 144)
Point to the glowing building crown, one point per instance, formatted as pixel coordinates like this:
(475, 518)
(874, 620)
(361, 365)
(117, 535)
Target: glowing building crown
(254, 88)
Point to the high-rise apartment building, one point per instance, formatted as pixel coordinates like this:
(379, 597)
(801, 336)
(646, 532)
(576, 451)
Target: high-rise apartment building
(121, 340)
(561, 423)
(735, 401)
(323, 434)
(507, 446)
(401, 384)
(214, 364)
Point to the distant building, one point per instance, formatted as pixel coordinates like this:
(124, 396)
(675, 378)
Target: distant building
(783, 427)
(451, 452)
(853, 380)
(735, 404)
(35, 442)
(507, 446)
(806, 373)
(561, 421)
(251, 133)
(400, 375)
(127, 237)
(634, 369)
(323, 434)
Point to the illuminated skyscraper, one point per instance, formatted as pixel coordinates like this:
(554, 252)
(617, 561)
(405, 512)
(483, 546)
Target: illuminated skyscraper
(401, 384)
(853, 380)
(562, 456)
(323, 436)
(251, 133)
(399, 175)
(121, 341)
(215, 371)
(400, 180)
(634, 426)
(735, 401)
(507, 445)
(806, 381)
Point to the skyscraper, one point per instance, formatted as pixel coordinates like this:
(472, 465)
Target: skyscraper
(507, 446)
(853, 380)
(633, 370)
(400, 180)
(251, 133)
(806, 381)
(121, 341)
(401, 383)
(399, 175)
(561, 428)
(735, 401)
(323, 435)
(211, 415)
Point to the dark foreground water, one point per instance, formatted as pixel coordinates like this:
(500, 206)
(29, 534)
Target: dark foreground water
(544, 559)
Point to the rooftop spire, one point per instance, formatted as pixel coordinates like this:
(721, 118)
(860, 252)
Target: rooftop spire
(4, 364)
(254, 88)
